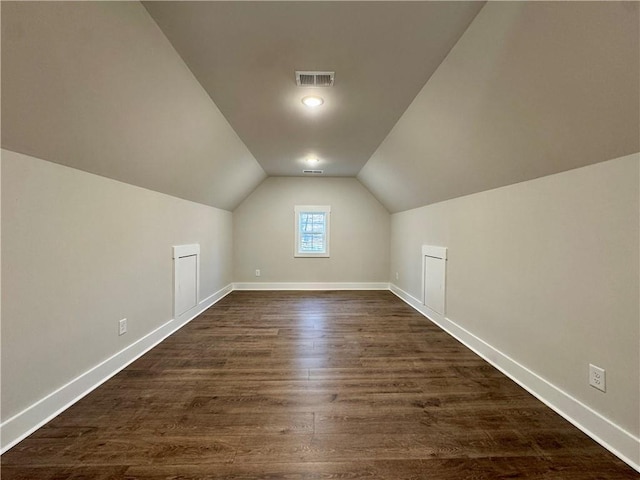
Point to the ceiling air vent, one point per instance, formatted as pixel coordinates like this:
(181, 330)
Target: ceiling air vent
(314, 79)
(313, 172)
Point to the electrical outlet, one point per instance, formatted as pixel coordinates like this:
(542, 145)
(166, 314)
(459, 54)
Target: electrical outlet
(257, 273)
(397, 276)
(122, 326)
(597, 378)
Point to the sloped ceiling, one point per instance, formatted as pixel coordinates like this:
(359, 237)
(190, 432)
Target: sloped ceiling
(245, 55)
(528, 89)
(531, 89)
(98, 87)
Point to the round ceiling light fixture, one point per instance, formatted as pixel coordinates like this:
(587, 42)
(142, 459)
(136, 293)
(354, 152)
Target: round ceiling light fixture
(312, 101)
(313, 159)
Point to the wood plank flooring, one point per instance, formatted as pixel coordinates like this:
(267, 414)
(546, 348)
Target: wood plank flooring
(310, 385)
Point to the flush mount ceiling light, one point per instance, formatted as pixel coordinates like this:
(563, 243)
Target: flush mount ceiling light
(312, 101)
(313, 159)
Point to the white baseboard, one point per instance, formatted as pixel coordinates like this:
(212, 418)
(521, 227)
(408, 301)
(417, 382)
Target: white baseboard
(311, 286)
(621, 443)
(23, 424)
(617, 440)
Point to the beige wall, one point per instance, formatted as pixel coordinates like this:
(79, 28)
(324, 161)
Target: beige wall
(530, 89)
(98, 87)
(80, 252)
(545, 271)
(263, 232)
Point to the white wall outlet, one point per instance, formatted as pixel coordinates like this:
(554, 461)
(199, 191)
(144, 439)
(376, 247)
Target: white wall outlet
(257, 273)
(122, 326)
(597, 378)
(397, 276)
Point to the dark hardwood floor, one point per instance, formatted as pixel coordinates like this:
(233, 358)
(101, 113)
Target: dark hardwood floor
(310, 385)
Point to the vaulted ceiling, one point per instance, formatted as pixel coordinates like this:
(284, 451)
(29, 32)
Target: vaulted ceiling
(245, 55)
(432, 100)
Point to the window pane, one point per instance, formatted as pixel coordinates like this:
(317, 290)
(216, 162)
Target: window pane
(312, 222)
(312, 242)
(312, 232)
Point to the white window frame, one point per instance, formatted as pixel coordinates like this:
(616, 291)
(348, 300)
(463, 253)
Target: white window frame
(326, 209)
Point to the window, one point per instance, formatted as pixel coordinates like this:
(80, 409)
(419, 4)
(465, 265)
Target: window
(312, 230)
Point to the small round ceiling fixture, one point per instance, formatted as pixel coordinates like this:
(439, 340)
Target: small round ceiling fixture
(312, 101)
(313, 159)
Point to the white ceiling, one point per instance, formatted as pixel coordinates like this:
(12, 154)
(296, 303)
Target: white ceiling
(530, 89)
(439, 99)
(245, 54)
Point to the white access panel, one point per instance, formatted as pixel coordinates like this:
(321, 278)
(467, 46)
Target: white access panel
(186, 278)
(434, 266)
(187, 294)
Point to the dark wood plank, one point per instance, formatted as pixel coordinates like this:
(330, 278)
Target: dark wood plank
(310, 385)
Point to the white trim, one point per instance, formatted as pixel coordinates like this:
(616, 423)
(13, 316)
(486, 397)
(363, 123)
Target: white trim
(311, 286)
(618, 441)
(181, 251)
(614, 438)
(23, 424)
(435, 252)
(186, 250)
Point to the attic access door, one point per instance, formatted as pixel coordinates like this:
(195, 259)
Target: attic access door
(186, 277)
(434, 269)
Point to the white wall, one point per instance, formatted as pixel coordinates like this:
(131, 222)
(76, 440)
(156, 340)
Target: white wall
(547, 273)
(96, 86)
(263, 233)
(542, 274)
(79, 253)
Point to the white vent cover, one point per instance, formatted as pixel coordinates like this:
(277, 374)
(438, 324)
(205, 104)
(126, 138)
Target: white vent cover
(314, 79)
(313, 172)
